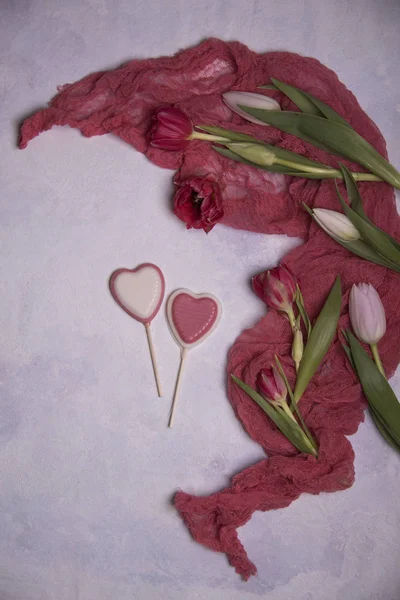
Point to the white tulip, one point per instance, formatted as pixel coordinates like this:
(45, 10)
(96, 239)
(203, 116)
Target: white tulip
(336, 224)
(236, 99)
(367, 314)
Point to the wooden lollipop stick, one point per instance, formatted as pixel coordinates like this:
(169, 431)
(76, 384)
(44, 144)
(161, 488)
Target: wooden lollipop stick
(177, 387)
(153, 359)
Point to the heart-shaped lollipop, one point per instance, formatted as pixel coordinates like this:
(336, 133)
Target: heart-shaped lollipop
(191, 318)
(140, 293)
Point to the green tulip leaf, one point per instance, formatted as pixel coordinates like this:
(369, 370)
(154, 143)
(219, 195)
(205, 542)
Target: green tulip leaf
(268, 86)
(327, 111)
(364, 250)
(375, 416)
(331, 136)
(371, 234)
(353, 192)
(356, 202)
(298, 98)
(376, 389)
(382, 429)
(306, 102)
(349, 356)
(320, 339)
(290, 429)
(302, 310)
(294, 404)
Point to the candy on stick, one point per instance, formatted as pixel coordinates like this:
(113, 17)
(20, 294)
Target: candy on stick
(140, 292)
(191, 318)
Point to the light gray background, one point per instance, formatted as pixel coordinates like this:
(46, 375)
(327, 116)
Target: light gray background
(87, 465)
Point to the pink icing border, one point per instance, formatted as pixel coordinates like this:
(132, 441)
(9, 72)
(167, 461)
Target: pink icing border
(111, 284)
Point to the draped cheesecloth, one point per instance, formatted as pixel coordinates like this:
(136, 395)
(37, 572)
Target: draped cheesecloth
(122, 102)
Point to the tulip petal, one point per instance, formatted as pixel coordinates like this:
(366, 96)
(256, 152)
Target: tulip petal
(234, 98)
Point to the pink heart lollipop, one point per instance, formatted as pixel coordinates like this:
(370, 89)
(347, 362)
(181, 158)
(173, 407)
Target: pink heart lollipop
(191, 318)
(140, 292)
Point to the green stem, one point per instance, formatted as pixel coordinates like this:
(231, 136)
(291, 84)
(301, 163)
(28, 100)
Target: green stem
(287, 410)
(292, 320)
(306, 168)
(325, 173)
(366, 177)
(196, 135)
(377, 359)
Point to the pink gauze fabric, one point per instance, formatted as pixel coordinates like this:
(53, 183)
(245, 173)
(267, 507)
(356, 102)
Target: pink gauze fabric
(122, 102)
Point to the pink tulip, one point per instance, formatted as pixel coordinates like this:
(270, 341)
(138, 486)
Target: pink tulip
(367, 314)
(277, 288)
(271, 385)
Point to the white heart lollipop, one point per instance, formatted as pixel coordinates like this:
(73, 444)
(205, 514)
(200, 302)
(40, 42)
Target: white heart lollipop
(140, 292)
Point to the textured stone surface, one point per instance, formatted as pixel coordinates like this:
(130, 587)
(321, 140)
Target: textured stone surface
(87, 465)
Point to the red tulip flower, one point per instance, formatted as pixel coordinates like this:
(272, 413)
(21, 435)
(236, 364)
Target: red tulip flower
(171, 130)
(198, 203)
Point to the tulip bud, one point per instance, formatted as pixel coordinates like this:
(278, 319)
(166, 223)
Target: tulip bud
(297, 347)
(336, 224)
(254, 153)
(272, 386)
(236, 99)
(280, 289)
(367, 314)
(277, 288)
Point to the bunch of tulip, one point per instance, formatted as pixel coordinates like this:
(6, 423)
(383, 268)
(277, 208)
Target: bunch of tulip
(279, 289)
(198, 202)
(173, 130)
